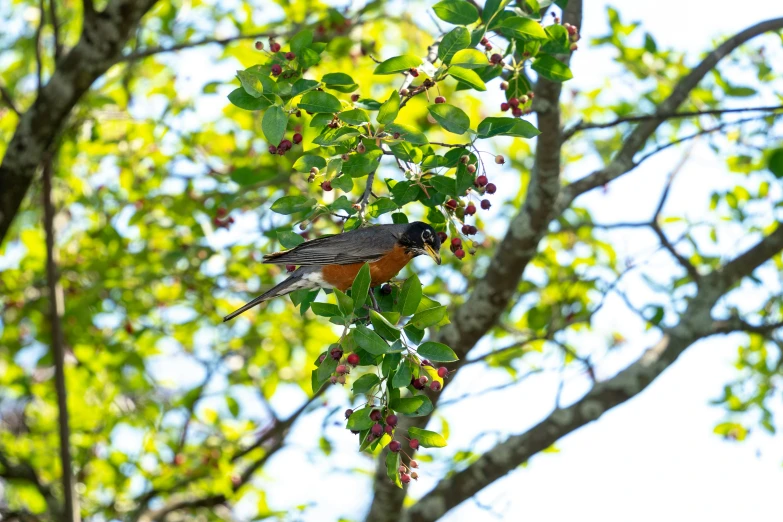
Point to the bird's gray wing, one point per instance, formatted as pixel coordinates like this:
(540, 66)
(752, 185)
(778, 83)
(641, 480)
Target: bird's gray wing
(363, 245)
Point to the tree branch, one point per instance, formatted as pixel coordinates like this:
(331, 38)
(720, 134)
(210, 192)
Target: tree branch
(633, 144)
(9, 100)
(695, 323)
(71, 511)
(102, 41)
(24, 471)
(152, 51)
(583, 125)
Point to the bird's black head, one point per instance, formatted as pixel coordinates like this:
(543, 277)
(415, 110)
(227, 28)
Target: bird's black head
(420, 238)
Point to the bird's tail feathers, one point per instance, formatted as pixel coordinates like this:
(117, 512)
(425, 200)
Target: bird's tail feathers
(291, 284)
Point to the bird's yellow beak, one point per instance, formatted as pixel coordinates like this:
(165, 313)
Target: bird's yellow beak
(432, 253)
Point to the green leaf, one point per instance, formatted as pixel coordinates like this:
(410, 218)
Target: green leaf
(444, 185)
(437, 352)
(334, 136)
(381, 206)
(301, 40)
(450, 117)
(251, 82)
(365, 383)
(383, 327)
(344, 302)
(491, 8)
(318, 101)
(362, 164)
(415, 406)
(413, 333)
(457, 12)
(243, 100)
(523, 29)
(292, 204)
(428, 317)
(393, 468)
(233, 406)
(247, 176)
(308, 58)
(399, 218)
(303, 85)
(274, 124)
(539, 317)
(360, 420)
(390, 363)
(354, 117)
(289, 239)
(340, 82)
(464, 179)
(552, 69)
(370, 341)
(398, 64)
(456, 40)
(410, 296)
(344, 183)
(327, 368)
(360, 287)
(559, 42)
(308, 161)
(490, 127)
(326, 309)
(468, 77)
(408, 133)
(390, 108)
(403, 376)
(775, 163)
(428, 439)
(469, 59)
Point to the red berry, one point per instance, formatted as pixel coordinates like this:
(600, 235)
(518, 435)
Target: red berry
(481, 181)
(342, 369)
(514, 102)
(424, 379)
(376, 429)
(286, 144)
(274, 47)
(336, 353)
(413, 72)
(375, 415)
(499, 159)
(416, 383)
(353, 359)
(443, 371)
(290, 268)
(276, 70)
(395, 446)
(272, 149)
(281, 150)
(484, 40)
(413, 464)
(496, 58)
(470, 209)
(426, 362)
(571, 30)
(289, 56)
(456, 242)
(440, 99)
(389, 429)
(354, 97)
(435, 386)
(405, 478)
(391, 420)
(488, 46)
(459, 253)
(472, 169)
(485, 204)
(517, 112)
(348, 413)
(220, 212)
(298, 139)
(443, 237)
(452, 204)
(326, 185)
(414, 443)
(504, 106)
(259, 46)
(490, 188)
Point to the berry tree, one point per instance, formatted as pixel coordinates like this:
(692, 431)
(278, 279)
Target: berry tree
(140, 183)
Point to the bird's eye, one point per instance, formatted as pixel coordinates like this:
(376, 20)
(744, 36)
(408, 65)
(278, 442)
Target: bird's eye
(426, 235)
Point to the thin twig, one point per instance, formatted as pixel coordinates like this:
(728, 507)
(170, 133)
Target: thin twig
(58, 49)
(9, 100)
(71, 513)
(582, 125)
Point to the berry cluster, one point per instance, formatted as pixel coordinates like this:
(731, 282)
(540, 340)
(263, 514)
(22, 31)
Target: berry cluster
(222, 219)
(519, 106)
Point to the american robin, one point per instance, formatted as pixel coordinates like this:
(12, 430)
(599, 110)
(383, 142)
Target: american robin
(334, 261)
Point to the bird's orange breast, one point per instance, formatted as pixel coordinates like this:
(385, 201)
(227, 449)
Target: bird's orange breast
(342, 276)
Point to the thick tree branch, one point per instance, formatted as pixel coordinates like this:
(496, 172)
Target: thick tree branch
(623, 161)
(695, 323)
(103, 37)
(71, 511)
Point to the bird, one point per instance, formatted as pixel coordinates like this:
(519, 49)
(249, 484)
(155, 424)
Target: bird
(333, 261)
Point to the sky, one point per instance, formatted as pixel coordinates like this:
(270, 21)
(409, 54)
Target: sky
(652, 458)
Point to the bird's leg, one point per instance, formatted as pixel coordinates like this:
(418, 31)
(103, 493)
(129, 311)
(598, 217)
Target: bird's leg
(374, 302)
